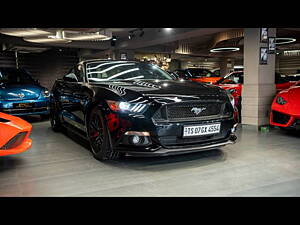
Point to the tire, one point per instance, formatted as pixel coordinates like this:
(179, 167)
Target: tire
(99, 137)
(54, 119)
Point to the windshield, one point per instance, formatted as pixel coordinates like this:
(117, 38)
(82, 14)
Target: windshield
(103, 71)
(280, 79)
(14, 76)
(233, 78)
(195, 72)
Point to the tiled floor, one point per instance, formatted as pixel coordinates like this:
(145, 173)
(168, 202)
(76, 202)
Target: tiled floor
(259, 164)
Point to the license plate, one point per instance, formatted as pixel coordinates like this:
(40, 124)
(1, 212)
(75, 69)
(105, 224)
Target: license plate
(198, 130)
(23, 105)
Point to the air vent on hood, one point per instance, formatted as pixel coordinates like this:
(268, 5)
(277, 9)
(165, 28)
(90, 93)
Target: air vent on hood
(4, 120)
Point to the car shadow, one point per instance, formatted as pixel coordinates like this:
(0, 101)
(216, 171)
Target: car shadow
(33, 118)
(161, 163)
(10, 162)
(290, 132)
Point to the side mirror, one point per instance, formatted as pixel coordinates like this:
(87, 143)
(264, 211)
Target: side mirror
(71, 77)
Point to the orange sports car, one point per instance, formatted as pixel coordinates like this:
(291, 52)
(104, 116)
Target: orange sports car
(14, 135)
(197, 75)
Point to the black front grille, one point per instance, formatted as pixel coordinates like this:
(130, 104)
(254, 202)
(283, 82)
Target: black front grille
(188, 110)
(15, 141)
(280, 117)
(193, 111)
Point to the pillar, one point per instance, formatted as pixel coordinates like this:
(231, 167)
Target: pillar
(259, 80)
(226, 65)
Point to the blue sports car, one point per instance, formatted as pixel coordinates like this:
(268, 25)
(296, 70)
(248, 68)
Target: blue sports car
(21, 95)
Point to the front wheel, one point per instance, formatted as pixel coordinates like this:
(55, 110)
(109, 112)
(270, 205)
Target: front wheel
(99, 137)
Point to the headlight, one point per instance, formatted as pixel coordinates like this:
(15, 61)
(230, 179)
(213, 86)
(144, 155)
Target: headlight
(127, 107)
(46, 93)
(231, 98)
(280, 100)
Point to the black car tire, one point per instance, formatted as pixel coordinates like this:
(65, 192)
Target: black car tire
(99, 136)
(54, 119)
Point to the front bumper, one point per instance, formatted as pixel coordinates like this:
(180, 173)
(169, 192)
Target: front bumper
(166, 137)
(41, 107)
(21, 148)
(285, 120)
(161, 151)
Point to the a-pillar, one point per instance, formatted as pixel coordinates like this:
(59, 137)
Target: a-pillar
(259, 80)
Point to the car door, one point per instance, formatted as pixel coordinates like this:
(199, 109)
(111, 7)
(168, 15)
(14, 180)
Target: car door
(72, 98)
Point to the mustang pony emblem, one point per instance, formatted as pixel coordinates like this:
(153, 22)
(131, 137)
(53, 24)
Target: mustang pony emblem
(198, 110)
(21, 95)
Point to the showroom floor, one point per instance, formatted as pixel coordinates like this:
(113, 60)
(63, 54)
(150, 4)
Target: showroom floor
(259, 164)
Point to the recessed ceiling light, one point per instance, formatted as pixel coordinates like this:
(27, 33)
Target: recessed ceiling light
(47, 40)
(168, 29)
(24, 32)
(87, 37)
(225, 49)
(281, 41)
(101, 35)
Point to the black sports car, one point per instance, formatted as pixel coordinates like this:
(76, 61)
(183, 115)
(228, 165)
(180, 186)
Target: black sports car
(137, 108)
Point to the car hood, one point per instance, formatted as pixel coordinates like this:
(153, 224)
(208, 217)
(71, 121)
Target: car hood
(211, 80)
(164, 91)
(19, 91)
(292, 96)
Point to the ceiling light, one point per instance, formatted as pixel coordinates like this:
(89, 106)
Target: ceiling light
(101, 35)
(168, 29)
(226, 49)
(238, 67)
(281, 41)
(86, 37)
(24, 32)
(58, 38)
(47, 40)
(291, 52)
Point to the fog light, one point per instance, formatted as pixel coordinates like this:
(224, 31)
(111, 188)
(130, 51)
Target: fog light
(135, 139)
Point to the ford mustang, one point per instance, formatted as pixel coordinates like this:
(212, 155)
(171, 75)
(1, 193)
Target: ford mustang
(138, 109)
(21, 95)
(285, 111)
(14, 135)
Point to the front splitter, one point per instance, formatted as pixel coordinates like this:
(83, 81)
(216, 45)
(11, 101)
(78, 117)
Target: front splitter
(182, 150)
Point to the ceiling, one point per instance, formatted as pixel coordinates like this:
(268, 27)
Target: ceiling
(198, 41)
